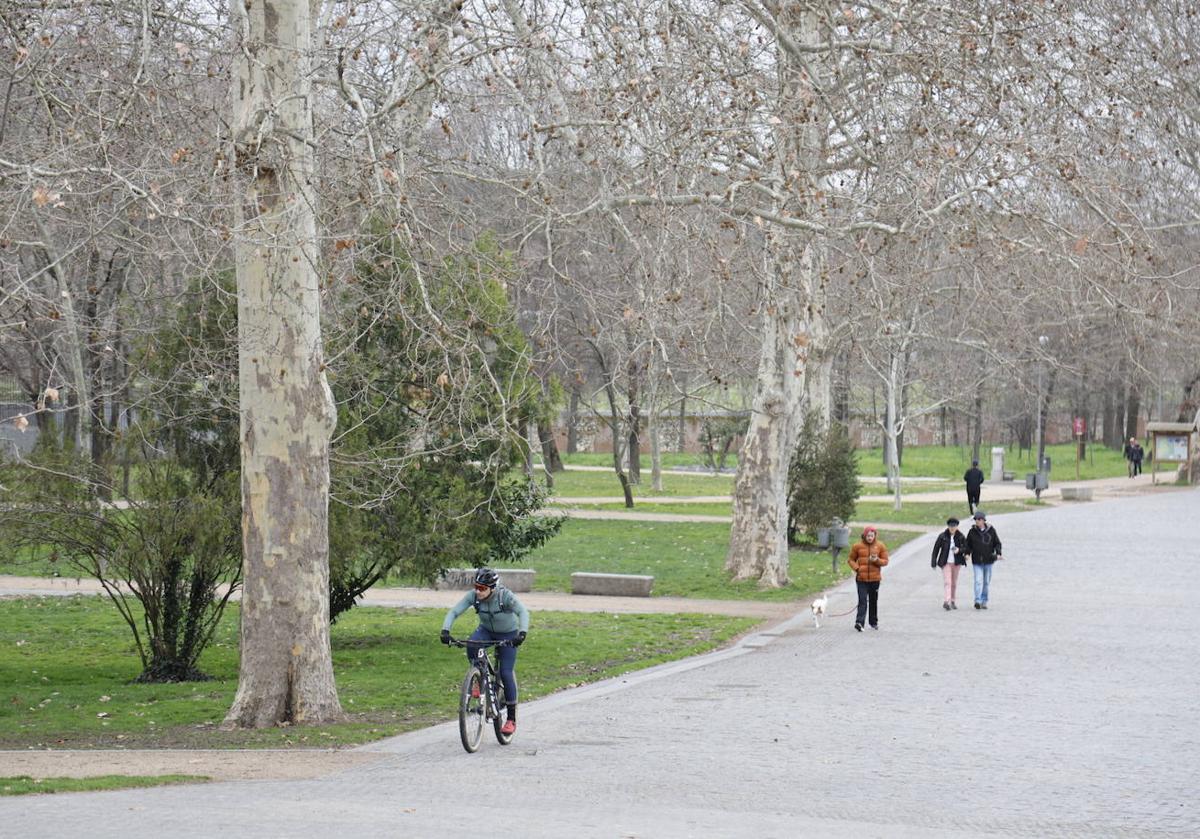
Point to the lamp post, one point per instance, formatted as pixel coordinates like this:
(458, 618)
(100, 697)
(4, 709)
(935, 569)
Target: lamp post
(1041, 447)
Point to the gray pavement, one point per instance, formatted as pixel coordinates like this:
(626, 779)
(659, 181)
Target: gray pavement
(1068, 709)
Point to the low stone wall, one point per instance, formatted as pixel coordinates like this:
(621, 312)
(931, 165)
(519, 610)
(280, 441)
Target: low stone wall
(612, 585)
(513, 579)
(1077, 493)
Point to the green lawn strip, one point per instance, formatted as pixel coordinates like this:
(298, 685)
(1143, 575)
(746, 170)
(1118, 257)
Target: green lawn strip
(950, 462)
(25, 562)
(913, 512)
(934, 514)
(67, 667)
(685, 559)
(587, 484)
(670, 460)
(573, 484)
(25, 785)
(913, 487)
(699, 509)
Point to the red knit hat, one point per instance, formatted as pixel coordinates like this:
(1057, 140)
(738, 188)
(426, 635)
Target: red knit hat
(870, 528)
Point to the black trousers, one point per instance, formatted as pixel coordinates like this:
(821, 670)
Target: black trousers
(868, 599)
(973, 498)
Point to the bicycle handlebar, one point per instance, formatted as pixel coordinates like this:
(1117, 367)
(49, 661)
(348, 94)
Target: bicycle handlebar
(454, 642)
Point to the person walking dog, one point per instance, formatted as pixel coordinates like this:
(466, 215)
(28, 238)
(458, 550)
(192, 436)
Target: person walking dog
(867, 557)
(974, 480)
(950, 556)
(983, 546)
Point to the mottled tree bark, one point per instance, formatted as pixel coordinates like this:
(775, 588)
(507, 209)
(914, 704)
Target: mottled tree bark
(287, 411)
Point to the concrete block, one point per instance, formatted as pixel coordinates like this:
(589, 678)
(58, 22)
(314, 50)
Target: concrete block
(513, 579)
(613, 585)
(1077, 493)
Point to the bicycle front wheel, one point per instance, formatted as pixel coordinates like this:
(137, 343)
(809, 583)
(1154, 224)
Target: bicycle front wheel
(470, 710)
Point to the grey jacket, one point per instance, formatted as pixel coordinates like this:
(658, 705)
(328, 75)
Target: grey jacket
(501, 612)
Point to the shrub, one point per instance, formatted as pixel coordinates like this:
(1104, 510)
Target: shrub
(160, 555)
(822, 478)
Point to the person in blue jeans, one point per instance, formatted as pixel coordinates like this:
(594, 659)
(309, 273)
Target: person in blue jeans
(501, 618)
(983, 546)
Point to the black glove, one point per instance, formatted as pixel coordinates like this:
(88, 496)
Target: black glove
(446, 637)
(519, 640)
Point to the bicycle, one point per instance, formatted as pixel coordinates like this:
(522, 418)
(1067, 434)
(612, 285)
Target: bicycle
(482, 696)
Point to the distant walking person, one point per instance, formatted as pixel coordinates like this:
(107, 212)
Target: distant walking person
(949, 554)
(974, 479)
(866, 558)
(983, 546)
(1134, 453)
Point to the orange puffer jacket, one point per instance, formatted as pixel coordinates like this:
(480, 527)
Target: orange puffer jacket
(866, 567)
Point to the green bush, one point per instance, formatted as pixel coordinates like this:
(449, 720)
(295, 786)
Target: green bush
(822, 478)
(433, 387)
(160, 559)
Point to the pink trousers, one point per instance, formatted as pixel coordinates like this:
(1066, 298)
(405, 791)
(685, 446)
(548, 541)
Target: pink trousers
(950, 579)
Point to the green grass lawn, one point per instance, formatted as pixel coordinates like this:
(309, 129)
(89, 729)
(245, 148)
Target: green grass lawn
(584, 484)
(67, 666)
(950, 462)
(914, 511)
(27, 563)
(934, 514)
(670, 460)
(25, 785)
(686, 560)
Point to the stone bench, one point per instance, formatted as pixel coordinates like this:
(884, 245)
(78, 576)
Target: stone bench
(612, 585)
(513, 579)
(1076, 493)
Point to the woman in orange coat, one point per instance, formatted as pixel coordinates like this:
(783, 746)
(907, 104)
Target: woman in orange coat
(867, 557)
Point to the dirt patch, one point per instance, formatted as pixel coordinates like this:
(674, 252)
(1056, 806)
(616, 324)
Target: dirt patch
(223, 765)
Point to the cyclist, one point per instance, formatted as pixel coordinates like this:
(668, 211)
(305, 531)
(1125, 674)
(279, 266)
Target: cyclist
(501, 618)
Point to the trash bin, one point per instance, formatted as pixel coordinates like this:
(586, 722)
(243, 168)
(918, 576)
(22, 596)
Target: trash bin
(841, 537)
(1031, 480)
(822, 537)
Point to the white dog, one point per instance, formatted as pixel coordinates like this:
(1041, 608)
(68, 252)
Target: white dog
(818, 610)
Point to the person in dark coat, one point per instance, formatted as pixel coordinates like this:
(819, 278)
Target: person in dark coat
(949, 555)
(974, 479)
(983, 546)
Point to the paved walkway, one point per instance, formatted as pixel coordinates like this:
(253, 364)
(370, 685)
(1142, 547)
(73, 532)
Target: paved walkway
(1068, 709)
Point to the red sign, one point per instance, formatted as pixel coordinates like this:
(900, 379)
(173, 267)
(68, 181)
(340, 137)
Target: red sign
(1077, 426)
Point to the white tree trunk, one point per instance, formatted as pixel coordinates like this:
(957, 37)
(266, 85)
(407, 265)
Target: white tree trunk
(287, 411)
(891, 430)
(652, 427)
(792, 306)
(72, 344)
(758, 538)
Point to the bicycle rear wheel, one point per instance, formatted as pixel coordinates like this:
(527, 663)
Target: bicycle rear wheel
(501, 715)
(470, 710)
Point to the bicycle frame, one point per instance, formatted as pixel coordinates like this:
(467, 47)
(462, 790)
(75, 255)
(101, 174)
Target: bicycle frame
(489, 677)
